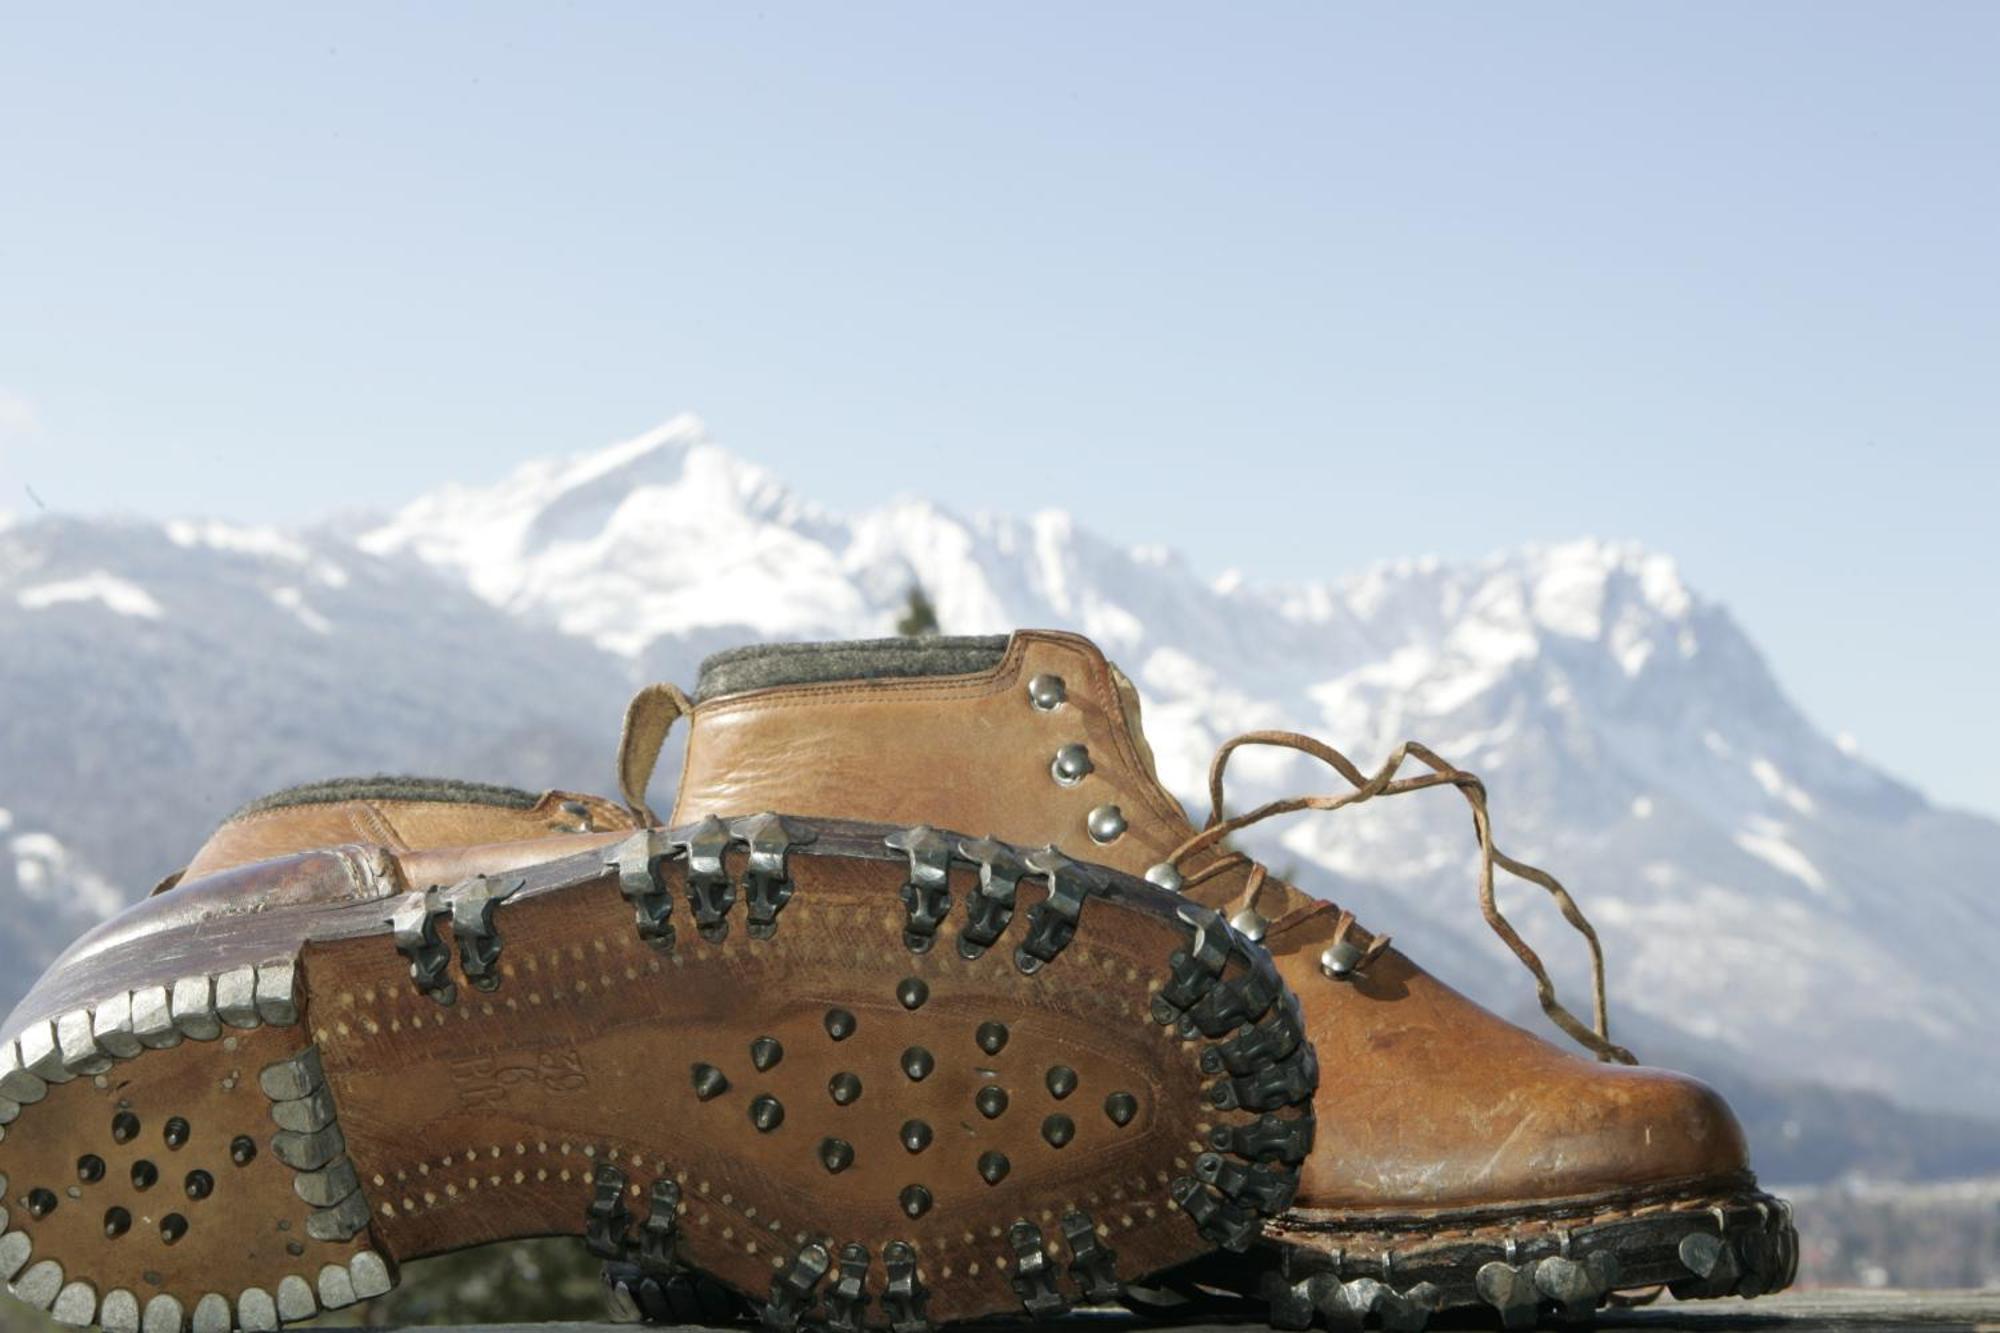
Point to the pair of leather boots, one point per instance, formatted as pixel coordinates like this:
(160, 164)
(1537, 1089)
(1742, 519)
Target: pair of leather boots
(927, 1003)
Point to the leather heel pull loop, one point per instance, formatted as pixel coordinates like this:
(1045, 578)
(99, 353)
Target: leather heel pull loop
(648, 718)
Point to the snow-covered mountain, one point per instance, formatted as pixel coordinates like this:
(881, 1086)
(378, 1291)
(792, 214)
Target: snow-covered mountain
(1768, 899)
(155, 676)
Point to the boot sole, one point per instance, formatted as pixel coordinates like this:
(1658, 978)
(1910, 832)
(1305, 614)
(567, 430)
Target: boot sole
(881, 1078)
(1546, 1266)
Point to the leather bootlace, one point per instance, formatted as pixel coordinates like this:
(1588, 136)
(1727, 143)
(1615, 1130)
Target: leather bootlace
(1388, 781)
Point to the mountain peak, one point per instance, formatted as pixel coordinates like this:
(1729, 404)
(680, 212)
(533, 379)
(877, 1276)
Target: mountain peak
(486, 533)
(641, 458)
(1575, 580)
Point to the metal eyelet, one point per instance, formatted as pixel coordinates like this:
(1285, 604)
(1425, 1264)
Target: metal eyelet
(1250, 924)
(1047, 692)
(1106, 824)
(1072, 764)
(1337, 960)
(1166, 876)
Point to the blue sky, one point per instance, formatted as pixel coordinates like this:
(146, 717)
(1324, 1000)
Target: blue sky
(1292, 288)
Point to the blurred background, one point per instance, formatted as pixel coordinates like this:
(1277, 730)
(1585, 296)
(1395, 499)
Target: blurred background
(1603, 396)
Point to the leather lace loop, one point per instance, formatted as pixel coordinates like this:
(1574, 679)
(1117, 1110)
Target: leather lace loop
(1388, 781)
(648, 718)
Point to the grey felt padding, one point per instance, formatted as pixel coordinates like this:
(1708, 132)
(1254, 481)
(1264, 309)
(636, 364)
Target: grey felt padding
(764, 665)
(387, 787)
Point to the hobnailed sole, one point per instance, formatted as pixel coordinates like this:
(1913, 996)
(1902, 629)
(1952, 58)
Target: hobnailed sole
(1552, 1264)
(880, 1078)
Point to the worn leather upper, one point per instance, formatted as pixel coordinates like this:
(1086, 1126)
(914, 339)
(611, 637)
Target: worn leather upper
(398, 825)
(256, 884)
(1427, 1102)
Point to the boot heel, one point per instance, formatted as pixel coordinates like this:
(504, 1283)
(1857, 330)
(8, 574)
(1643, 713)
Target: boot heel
(172, 1158)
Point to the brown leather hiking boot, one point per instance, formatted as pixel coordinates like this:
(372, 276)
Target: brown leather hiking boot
(1462, 1159)
(889, 1076)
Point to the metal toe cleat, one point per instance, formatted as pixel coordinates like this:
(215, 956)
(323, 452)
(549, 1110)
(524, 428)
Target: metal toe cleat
(1256, 1046)
(310, 1151)
(277, 991)
(927, 892)
(336, 1288)
(1579, 1286)
(1034, 1277)
(111, 1025)
(305, 1115)
(710, 891)
(289, 1080)
(15, 1250)
(847, 1299)
(41, 1054)
(1268, 1138)
(991, 907)
(472, 926)
(1052, 922)
(236, 998)
(792, 1291)
(1229, 1225)
(904, 1298)
(164, 1315)
(296, 1299)
(1746, 1261)
(120, 1313)
(1195, 970)
(638, 860)
(18, 1083)
(371, 1275)
(767, 883)
(1093, 1265)
(1357, 1303)
(414, 922)
(608, 1221)
(328, 1187)
(1510, 1289)
(193, 1007)
(76, 1307)
(1244, 1000)
(153, 1018)
(343, 1221)
(257, 1310)
(81, 1054)
(40, 1285)
(661, 1229)
(1288, 1082)
(1268, 1191)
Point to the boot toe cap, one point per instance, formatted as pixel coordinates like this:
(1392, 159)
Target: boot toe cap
(1428, 1102)
(1620, 1128)
(1586, 1131)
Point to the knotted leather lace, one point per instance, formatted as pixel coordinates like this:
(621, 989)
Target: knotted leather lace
(1387, 781)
